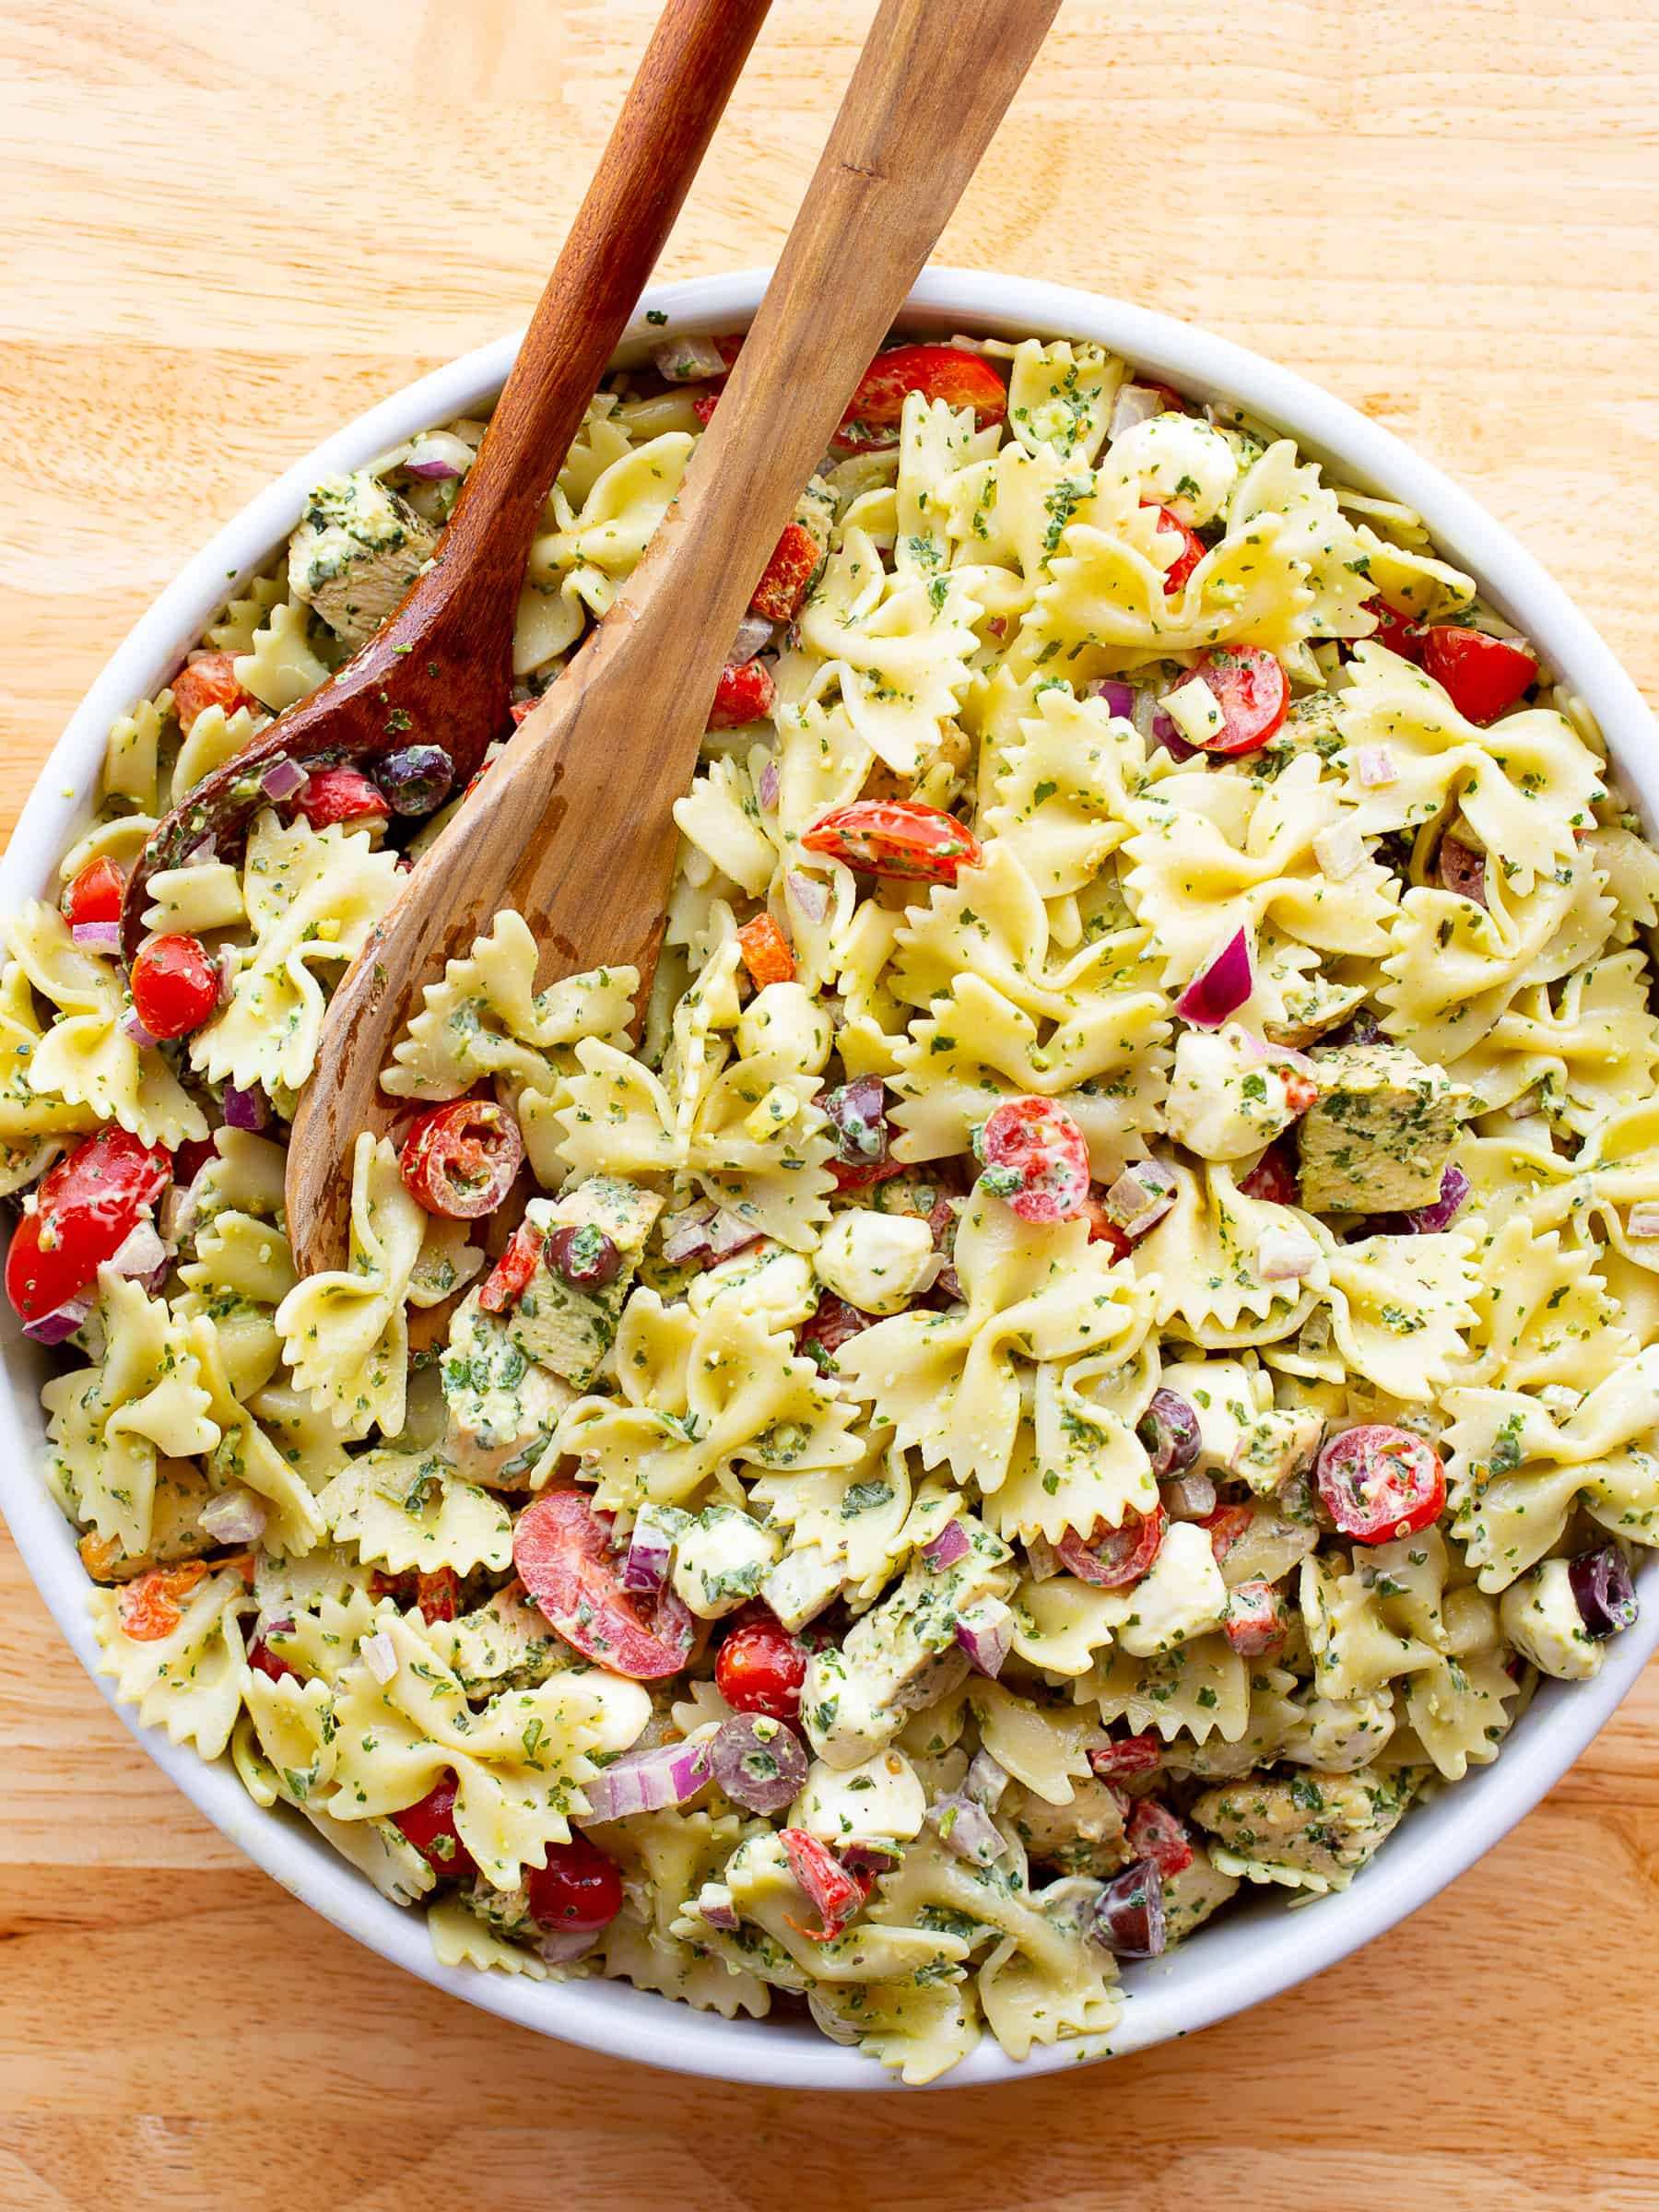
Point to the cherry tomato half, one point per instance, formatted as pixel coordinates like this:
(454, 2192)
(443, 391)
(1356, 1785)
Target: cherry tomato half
(1126, 1756)
(833, 1324)
(1274, 1177)
(509, 1278)
(744, 694)
(835, 1894)
(791, 567)
(176, 986)
(1155, 1832)
(1256, 1620)
(1402, 633)
(1036, 1161)
(460, 1160)
(577, 1891)
(1113, 1558)
(1379, 1483)
(207, 681)
(85, 1210)
(896, 837)
(429, 1824)
(1225, 1526)
(1193, 547)
(96, 894)
(264, 1661)
(1481, 675)
(947, 373)
(1251, 689)
(761, 1669)
(561, 1549)
(341, 794)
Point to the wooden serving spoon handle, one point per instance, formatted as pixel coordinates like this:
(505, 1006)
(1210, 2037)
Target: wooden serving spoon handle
(440, 669)
(574, 825)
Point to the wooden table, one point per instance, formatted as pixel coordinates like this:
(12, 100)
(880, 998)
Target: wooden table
(228, 230)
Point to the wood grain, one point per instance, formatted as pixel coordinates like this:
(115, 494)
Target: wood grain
(224, 234)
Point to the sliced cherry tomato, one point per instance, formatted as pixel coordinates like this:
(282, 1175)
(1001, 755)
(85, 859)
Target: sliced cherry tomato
(509, 1278)
(1193, 547)
(1256, 1620)
(899, 837)
(520, 710)
(1036, 1161)
(176, 986)
(147, 1607)
(264, 1661)
(1379, 1482)
(1253, 692)
(579, 1891)
(460, 1160)
(1301, 1092)
(1126, 1756)
(1155, 1832)
(791, 567)
(834, 1324)
(947, 373)
(429, 1824)
(1274, 1177)
(1226, 1525)
(96, 894)
(437, 1594)
(707, 400)
(1103, 1229)
(207, 681)
(745, 693)
(1481, 675)
(765, 952)
(562, 1549)
(1400, 633)
(1113, 1558)
(189, 1158)
(341, 794)
(835, 1894)
(761, 1669)
(85, 1210)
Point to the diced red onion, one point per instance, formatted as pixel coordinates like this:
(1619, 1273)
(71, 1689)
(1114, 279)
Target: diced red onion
(1286, 1255)
(133, 1028)
(1429, 1220)
(967, 1829)
(379, 1654)
(759, 1763)
(201, 853)
(729, 1233)
(438, 457)
(141, 1253)
(769, 785)
(1164, 732)
(753, 632)
(987, 1780)
(96, 936)
(717, 1910)
(1374, 767)
(1339, 848)
(1603, 1591)
(830, 2022)
(236, 1516)
(1142, 1196)
(1042, 1561)
(1135, 403)
(647, 1781)
(686, 1234)
(1128, 1916)
(1643, 1221)
(61, 1324)
(225, 961)
(811, 896)
(283, 779)
(867, 1858)
(564, 1947)
(650, 1555)
(1188, 1497)
(985, 1631)
(688, 360)
(1120, 697)
(949, 1546)
(1220, 988)
(246, 1109)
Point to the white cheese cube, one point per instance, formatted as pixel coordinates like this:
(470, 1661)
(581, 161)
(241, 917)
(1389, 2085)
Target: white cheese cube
(876, 1261)
(1227, 1095)
(1541, 1619)
(878, 1802)
(721, 1560)
(1195, 710)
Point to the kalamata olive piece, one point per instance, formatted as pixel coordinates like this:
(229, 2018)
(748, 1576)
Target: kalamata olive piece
(1128, 1915)
(416, 778)
(1603, 1591)
(586, 1258)
(759, 1761)
(858, 1113)
(1463, 869)
(1168, 1429)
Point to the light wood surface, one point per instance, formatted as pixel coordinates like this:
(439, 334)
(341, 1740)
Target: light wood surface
(225, 230)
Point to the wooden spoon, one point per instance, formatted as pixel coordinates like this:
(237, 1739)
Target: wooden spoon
(439, 670)
(573, 826)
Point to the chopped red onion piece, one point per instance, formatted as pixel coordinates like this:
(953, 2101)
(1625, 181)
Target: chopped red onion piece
(949, 1546)
(650, 1555)
(379, 1654)
(1120, 697)
(1339, 848)
(1429, 1220)
(754, 632)
(1188, 1497)
(688, 360)
(811, 896)
(985, 1631)
(1285, 1256)
(715, 1908)
(647, 1781)
(1135, 403)
(96, 936)
(1374, 767)
(133, 1028)
(1221, 987)
(141, 1253)
(1141, 1196)
(1128, 1916)
(235, 1516)
(283, 779)
(847, 2033)
(1643, 1222)
(987, 1780)
(967, 1829)
(686, 1234)
(769, 786)
(57, 1327)
(867, 1858)
(225, 961)
(729, 1232)
(564, 1947)
(200, 854)
(438, 457)
(245, 1108)
(758, 1762)
(1042, 1559)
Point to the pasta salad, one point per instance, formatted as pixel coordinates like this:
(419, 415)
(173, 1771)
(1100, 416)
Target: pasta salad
(1082, 1346)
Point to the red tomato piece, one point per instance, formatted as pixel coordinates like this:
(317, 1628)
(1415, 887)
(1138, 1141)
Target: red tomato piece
(1274, 1177)
(899, 837)
(96, 894)
(1253, 692)
(835, 1894)
(791, 567)
(761, 1669)
(1226, 1525)
(341, 794)
(1256, 1620)
(765, 952)
(460, 1160)
(520, 710)
(562, 1549)
(1300, 1091)
(579, 1891)
(1378, 1482)
(1036, 1161)
(947, 373)
(1481, 675)
(207, 681)
(1155, 1832)
(707, 400)
(189, 1158)
(1402, 633)
(509, 1278)
(834, 1324)
(85, 1208)
(438, 1594)
(264, 1661)
(1113, 1558)
(176, 986)
(147, 1607)
(1193, 547)
(744, 694)
(429, 1824)
(1103, 1229)
(1126, 1756)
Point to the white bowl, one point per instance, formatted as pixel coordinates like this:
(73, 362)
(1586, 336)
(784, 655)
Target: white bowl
(1256, 1950)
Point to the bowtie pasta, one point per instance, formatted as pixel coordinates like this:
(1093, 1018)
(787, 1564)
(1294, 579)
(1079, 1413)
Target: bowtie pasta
(1087, 1341)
